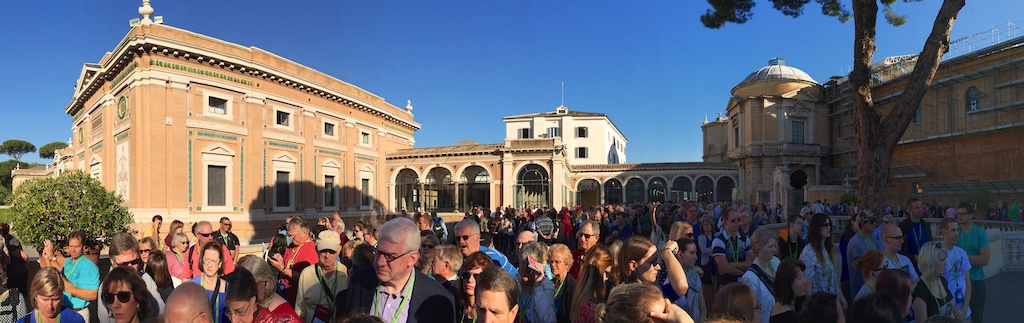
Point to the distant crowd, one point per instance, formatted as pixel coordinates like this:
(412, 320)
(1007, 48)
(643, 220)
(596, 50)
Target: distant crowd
(639, 262)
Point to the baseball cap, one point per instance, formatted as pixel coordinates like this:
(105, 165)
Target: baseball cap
(328, 240)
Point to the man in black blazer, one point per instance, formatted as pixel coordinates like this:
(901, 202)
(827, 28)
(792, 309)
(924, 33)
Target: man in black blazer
(392, 289)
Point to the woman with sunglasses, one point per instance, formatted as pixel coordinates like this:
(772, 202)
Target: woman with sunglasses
(147, 246)
(821, 258)
(177, 264)
(931, 295)
(46, 293)
(122, 290)
(475, 264)
(242, 296)
(869, 265)
(211, 266)
(266, 287)
(428, 241)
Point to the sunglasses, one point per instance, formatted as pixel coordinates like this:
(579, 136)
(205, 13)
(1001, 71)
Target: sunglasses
(206, 235)
(587, 235)
(457, 238)
(122, 297)
(328, 251)
(689, 235)
(226, 224)
(145, 250)
(465, 275)
(135, 262)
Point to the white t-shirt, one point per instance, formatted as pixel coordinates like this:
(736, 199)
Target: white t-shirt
(902, 263)
(957, 271)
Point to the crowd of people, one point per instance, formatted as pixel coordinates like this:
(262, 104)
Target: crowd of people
(641, 262)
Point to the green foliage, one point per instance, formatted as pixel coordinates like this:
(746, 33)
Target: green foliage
(5, 171)
(6, 215)
(5, 196)
(979, 197)
(848, 198)
(739, 11)
(47, 151)
(16, 148)
(54, 207)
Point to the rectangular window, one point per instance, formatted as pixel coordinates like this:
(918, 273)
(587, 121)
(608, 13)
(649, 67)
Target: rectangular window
(217, 105)
(735, 137)
(282, 118)
(918, 114)
(364, 138)
(581, 152)
(328, 129)
(524, 133)
(365, 193)
(797, 132)
(216, 186)
(329, 191)
(283, 190)
(554, 132)
(97, 121)
(581, 132)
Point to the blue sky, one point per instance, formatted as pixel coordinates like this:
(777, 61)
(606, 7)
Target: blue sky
(651, 66)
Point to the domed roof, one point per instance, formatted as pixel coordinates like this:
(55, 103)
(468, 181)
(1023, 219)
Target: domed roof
(777, 70)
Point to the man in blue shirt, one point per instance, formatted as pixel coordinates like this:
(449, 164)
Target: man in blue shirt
(82, 275)
(467, 238)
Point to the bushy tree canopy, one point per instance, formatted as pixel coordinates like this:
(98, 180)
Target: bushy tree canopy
(16, 148)
(47, 151)
(54, 207)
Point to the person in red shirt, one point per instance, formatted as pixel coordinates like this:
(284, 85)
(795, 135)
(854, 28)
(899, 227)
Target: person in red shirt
(587, 236)
(204, 234)
(301, 253)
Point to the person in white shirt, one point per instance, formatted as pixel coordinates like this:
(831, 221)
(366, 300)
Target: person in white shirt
(958, 265)
(893, 239)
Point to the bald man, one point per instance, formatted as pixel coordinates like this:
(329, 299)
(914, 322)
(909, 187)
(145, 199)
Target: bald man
(524, 237)
(188, 303)
(892, 238)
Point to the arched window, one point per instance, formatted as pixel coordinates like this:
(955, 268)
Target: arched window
(634, 190)
(474, 188)
(724, 189)
(705, 189)
(656, 189)
(533, 187)
(972, 99)
(407, 190)
(682, 189)
(613, 191)
(439, 191)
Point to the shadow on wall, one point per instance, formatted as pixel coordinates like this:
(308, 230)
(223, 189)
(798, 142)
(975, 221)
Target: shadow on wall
(274, 203)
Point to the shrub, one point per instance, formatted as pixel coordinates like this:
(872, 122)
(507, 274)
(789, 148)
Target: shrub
(848, 197)
(979, 197)
(52, 208)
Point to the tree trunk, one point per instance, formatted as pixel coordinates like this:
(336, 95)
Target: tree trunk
(876, 135)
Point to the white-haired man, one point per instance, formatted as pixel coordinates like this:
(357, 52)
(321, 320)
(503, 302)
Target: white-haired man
(467, 237)
(392, 289)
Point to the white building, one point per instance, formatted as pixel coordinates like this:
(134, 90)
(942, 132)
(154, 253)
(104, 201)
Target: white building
(589, 138)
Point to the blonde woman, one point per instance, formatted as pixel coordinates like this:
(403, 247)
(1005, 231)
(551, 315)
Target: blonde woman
(46, 294)
(931, 295)
(761, 274)
(592, 288)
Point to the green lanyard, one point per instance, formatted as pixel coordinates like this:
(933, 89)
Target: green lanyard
(405, 298)
(867, 240)
(327, 290)
(37, 316)
(559, 287)
(216, 297)
(72, 271)
(733, 246)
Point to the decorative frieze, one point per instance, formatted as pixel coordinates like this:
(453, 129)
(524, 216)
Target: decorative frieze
(324, 144)
(216, 126)
(284, 137)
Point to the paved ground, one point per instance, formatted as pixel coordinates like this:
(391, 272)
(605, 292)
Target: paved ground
(1004, 297)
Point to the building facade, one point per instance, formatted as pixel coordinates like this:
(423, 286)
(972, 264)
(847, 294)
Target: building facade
(195, 128)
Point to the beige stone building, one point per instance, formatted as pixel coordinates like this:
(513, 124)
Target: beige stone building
(195, 128)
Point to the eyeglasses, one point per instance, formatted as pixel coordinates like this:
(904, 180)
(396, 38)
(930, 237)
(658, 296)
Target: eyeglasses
(145, 250)
(734, 220)
(388, 257)
(826, 224)
(135, 262)
(465, 275)
(226, 224)
(900, 238)
(587, 235)
(238, 312)
(871, 220)
(457, 238)
(206, 235)
(427, 246)
(122, 297)
(689, 235)
(328, 251)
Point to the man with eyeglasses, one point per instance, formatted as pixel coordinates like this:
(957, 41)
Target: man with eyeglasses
(392, 289)
(974, 241)
(297, 256)
(467, 237)
(124, 252)
(524, 237)
(189, 303)
(320, 284)
(893, 239)
(227, 238)
(81, 276)
(859, 244)
(587, 237)
(204, 234)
